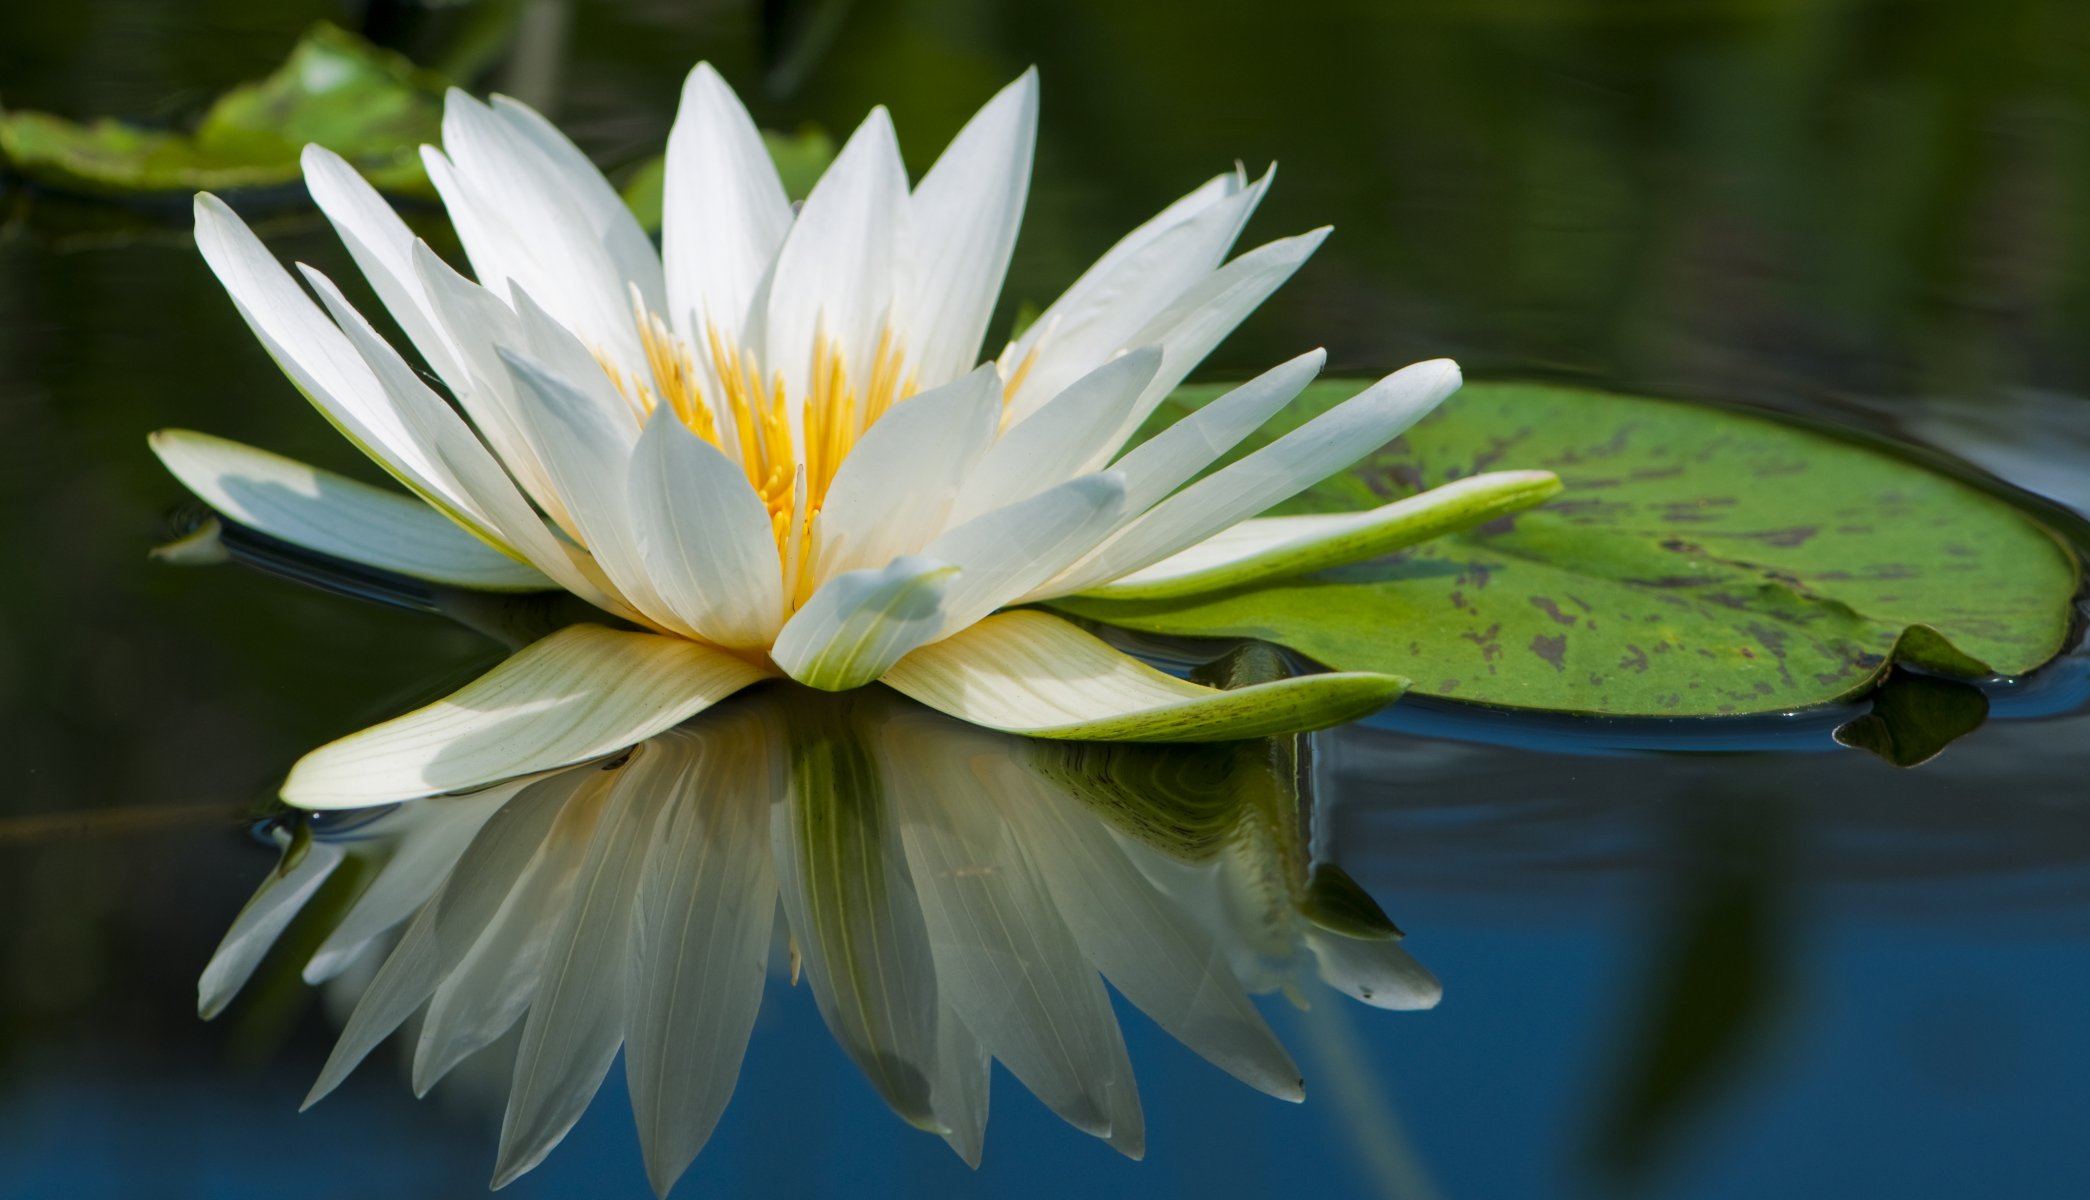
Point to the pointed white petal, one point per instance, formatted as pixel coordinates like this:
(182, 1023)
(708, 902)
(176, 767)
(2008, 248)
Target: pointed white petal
(1166, 461)
(1137, 935)
(700, 938)
(861, 622)
(1061, 440)
(705, 537)
(1376, 971)
(489, 505)
(1005, 963)
(534, 221)
(963, 1071)
(474, 322)
(1030, 672)
(1188, 329)
(610, 220)
(337, 516)
(423, 857)
(843, 262)
(587, 454)
(582, 692)
(969, 205)
(279, 899)
(1128, 287)
(415, 437)
(724, 212)
(449, 925)
(894, 492)
(855, 918)
(1005, 553)
(1323, 446)
(1267, 548)
(576, 1018)
(382, 246)
(497, 979)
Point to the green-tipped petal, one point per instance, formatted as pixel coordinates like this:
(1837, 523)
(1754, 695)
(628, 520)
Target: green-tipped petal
(337, 516)
(1032, 673)
(861, 622)
(1268, 548)
(580, 693)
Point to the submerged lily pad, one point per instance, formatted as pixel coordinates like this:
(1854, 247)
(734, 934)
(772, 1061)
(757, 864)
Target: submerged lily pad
(369, 105)
(1699, 561)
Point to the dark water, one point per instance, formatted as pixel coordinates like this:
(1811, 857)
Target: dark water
(1717, 973)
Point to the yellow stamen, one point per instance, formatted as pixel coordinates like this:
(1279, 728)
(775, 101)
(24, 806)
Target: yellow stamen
(751, 422)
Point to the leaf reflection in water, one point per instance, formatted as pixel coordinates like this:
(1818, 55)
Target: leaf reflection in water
(952, 895)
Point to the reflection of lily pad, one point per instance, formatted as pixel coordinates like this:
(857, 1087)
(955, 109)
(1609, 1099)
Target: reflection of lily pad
(1700, 561)
(371, 106)
(799, 157)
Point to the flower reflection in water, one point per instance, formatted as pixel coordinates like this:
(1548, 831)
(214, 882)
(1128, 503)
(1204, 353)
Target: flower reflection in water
(951, 895)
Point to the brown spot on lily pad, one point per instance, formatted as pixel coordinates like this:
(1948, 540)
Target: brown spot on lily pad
(1552, 649)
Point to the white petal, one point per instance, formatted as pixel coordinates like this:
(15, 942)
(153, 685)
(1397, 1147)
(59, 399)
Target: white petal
(494, 983)
(1164, 462)
(383, 248)
(421, 859)
(449, 925)
(894, 492)
(416, 442)
(1137, 935)
(1128, 287)
(1061, 440)
(1005, 962)
(576, 1018)
(580, 693)
(587, 454)
(1323, 446)
(610, 220)
(474, 322)
(861, 622)
(969, 206)
(1376, 971)
(1005, 553)
(1268, 548)
(1030, 672)
(337, 516)
(724, 212)
(963, 1073)
(700, 938)
(843, 262)
(855, 918)
(279, 899)
(705, 537)
(490, 496)
(1188, 329)
(532, 220)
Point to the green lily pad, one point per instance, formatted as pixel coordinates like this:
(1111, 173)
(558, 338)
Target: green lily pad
(1700, 561)
(371, 106)
(800, 159)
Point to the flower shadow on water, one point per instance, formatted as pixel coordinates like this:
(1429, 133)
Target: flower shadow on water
(950, 895)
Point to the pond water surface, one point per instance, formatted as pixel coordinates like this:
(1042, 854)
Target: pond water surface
(1677, 960)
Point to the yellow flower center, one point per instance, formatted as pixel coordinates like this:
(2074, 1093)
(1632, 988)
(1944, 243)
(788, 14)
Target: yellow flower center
(750, 421)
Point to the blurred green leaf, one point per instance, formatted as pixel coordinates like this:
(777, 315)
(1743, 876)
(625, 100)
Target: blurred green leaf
(1700, 561)
(799, 157)
(369, 105)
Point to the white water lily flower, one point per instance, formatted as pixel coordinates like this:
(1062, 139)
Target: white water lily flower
(953, 897)
(770, 447)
